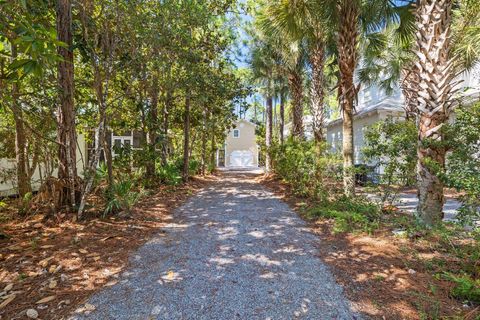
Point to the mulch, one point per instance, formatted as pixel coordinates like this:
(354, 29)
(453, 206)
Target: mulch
(53, 266)
(384, 276)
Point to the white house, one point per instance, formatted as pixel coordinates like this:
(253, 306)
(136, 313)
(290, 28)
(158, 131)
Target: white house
(374, 105)
(240, 148)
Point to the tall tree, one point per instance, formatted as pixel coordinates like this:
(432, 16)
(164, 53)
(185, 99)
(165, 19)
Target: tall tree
(435, 101)
(66, 133)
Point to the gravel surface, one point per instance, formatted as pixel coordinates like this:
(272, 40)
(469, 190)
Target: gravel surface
(234, 251)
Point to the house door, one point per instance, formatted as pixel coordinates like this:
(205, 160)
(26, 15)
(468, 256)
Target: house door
(241, 159)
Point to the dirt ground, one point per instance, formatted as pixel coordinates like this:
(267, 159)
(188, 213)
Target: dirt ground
(53, 266)
(384, 276)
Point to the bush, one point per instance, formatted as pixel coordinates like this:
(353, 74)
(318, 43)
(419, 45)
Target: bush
(465, 288)
(463, 162)
(169, 174)
(307, 168)
(122, 196)
(393, 145)
(350, 214)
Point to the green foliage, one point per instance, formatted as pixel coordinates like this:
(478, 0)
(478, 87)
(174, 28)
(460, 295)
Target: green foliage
(463, 162)
(350, 214)
(122, 196)
(169, 174)
(466, 288)
(393, 145)
(304, 165)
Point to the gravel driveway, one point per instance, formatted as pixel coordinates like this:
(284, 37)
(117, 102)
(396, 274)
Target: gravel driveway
(234, 251)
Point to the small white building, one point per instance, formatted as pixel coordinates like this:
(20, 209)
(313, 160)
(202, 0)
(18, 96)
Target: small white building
(240, 148)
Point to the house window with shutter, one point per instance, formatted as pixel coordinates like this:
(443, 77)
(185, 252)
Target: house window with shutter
(236, 133)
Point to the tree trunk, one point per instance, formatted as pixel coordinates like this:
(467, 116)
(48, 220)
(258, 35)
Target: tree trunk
(152, 130)
(282, 118)
(66, 132)
(204, 141)
(186, 137)
(213, 146)
(268, 134)
(296, 88)
(165, 141)
(347, 61)
(317, 60)
(409, 88)
(100, 135)
(435, 101)
(23, 180)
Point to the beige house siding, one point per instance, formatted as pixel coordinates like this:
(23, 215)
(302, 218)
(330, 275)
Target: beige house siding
(8, 187)
(246, 141)
(360, 124)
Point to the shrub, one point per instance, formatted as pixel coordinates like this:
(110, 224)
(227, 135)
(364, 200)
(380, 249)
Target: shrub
(393, 145)
(463, 162)
(122, 196)
(465, 288)
(169, 174)
(350, 214)
(307, 168)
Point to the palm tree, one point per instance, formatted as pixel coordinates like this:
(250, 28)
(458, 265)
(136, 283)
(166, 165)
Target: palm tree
(353, 19)
(428, 95)
(436, 74)
(262, 64)
(290, 53)
(301, 21)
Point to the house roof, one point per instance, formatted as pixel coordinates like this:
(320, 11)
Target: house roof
(246, 121)
(388, 104)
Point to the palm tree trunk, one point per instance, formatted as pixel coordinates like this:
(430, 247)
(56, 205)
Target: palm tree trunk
(347, 60)
(435, 76)
(317, 60)
(296, 88)
(409, 88)
(268, 133)
(66, 133)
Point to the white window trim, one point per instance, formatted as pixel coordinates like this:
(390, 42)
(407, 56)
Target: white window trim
(236, 137)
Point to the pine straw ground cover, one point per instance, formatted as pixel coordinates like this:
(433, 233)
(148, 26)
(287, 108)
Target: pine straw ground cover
(54, 266)
(388, 276)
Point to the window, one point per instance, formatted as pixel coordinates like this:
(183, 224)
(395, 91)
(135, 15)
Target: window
(236, 133)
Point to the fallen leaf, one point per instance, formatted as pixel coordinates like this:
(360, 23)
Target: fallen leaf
(83, 251)
(52, 268)
(52, 284)
(45, 300)
(44, 262)
(8, 287)
(7, 301)
(48, 246)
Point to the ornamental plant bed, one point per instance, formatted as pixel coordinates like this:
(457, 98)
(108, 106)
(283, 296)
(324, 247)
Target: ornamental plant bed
(386, 276)
(53, 266)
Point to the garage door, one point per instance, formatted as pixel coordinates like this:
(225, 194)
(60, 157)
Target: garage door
(241, 159)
